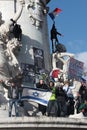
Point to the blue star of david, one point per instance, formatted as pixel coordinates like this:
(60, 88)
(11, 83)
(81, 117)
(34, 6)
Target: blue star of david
(36, 94)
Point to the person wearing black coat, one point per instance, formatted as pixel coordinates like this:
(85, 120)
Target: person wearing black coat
(54, 38)
(42, 85)
(83, 91)
(61, 101)
(13, 95)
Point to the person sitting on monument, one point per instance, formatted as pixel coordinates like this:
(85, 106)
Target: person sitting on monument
(17, 31)
(54, 38)
(6, 26)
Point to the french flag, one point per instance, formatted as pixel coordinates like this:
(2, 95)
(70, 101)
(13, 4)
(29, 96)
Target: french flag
(54, 13)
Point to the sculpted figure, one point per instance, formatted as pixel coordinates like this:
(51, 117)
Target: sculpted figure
(37, 10)
(64, 58)
(11, 52)
(7, 45)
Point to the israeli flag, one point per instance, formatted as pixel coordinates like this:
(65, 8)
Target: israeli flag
(36, 95)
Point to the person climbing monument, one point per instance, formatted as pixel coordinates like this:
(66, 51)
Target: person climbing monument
(54, 37)
(17, 31)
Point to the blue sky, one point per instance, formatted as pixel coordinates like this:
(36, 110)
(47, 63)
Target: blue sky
(72, 23)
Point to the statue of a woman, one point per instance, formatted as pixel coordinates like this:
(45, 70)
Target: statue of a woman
(5, 47)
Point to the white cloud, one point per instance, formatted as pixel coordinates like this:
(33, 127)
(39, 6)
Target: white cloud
(82, 57)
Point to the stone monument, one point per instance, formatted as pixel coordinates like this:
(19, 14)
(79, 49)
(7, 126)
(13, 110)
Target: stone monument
(31, 54)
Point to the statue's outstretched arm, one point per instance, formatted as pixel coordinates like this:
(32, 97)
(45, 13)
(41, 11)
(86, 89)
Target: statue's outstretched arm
(19, 12)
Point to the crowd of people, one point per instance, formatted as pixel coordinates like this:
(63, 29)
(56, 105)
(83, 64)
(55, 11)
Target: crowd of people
(62, 102)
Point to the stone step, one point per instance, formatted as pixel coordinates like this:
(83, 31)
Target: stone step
(29, 109)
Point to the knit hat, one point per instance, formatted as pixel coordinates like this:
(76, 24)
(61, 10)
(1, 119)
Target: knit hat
(40, 78)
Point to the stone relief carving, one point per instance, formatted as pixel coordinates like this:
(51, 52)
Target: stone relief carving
(1, 21)
(11, 51)
(37, 9)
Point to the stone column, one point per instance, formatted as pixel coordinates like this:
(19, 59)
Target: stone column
(35, 33)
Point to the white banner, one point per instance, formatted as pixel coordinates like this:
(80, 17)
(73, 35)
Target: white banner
(37, 95)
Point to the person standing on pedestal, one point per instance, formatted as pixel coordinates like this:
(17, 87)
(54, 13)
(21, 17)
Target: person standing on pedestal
(54, 38)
